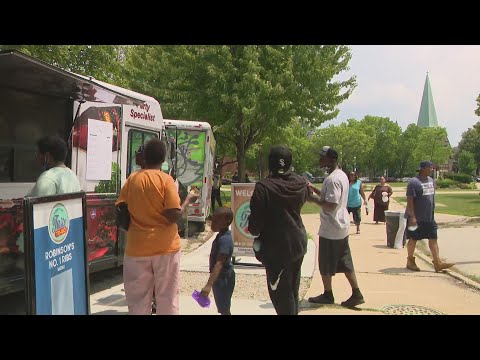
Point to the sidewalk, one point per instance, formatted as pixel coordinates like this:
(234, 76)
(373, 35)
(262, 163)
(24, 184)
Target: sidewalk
(386, 283)
(381, 273)
(112, 301)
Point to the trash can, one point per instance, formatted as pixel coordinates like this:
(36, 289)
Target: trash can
(396, 228)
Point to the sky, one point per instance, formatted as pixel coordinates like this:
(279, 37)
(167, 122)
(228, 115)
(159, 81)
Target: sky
(390, 81)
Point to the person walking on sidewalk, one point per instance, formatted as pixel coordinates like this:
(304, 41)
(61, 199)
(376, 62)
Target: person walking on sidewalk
(381, 199)
(216, 192)
(222, 274)
(355, 196)
(276, 221)
(333, 251)
(420, 214)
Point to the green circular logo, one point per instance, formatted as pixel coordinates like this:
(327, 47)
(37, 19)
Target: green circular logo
(241, 219)
(58, 224)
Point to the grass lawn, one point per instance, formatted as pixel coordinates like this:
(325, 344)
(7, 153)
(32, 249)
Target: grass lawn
(398, 184)
(455, 204)
(310, 208)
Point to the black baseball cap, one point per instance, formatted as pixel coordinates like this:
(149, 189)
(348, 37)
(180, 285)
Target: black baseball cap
(280, 160)
(425, 164)
(329, 152)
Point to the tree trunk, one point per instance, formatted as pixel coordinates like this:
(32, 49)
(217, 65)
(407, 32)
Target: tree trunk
(241, 164)
(241, 149)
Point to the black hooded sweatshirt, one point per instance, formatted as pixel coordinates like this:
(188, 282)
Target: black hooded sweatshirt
(275, 217)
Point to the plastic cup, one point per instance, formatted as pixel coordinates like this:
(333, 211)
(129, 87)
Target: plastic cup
(200, 299)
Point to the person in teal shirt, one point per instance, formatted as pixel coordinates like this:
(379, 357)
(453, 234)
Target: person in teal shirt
(355, 196)
(57, 178)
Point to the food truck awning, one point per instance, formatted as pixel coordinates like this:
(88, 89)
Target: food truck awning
(25, 73)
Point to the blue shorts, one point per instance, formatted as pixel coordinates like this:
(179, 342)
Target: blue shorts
(425, 230)
(223, 291)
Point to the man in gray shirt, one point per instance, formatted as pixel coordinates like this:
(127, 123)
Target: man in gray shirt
(421, 216)
(333, 249)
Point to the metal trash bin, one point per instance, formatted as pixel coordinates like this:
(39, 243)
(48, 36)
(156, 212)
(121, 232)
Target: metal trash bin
(396, 225)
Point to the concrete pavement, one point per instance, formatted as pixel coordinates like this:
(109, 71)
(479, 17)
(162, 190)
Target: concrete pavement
(112, 301)
(462, 246)
(388, 287)
(197, 260)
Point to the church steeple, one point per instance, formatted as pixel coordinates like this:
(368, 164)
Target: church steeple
(427, 116)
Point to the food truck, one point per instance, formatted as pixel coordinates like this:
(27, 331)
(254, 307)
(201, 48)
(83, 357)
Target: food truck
(103, 125)
(195, 165)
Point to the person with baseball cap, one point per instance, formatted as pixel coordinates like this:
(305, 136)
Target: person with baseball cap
(420, 214)
(275, 219)
(334, 254)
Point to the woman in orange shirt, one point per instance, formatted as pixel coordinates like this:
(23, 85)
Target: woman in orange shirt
(152, 254)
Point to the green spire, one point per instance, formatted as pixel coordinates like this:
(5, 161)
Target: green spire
(427, 116)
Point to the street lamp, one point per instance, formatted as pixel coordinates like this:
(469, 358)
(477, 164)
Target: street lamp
(355, 164)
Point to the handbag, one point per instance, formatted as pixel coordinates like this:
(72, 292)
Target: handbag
(123, 216)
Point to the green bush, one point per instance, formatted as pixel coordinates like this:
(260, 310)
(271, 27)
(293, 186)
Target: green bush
(463, 178)
(467, 186)
(445, 183)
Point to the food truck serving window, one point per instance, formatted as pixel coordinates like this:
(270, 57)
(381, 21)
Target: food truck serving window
(24, 119)
(137, 138)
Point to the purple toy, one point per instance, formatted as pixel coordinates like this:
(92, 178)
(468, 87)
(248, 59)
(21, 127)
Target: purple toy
(200, 299)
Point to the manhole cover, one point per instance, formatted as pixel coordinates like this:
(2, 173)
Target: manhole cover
(409, 310)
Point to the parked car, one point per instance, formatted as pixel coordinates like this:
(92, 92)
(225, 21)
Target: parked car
(406, 179)
(478, 179)
(318, 180)
(365, 179)
(391, 179)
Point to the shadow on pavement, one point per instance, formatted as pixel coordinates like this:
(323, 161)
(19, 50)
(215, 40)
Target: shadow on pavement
(267, 306)
(383, 247)
(466, 262)
(401, 270)
(111, 312)
(113, 300)
(406, 271)
(105, 279)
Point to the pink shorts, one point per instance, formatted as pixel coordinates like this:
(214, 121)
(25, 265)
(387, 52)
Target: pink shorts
(142, 274)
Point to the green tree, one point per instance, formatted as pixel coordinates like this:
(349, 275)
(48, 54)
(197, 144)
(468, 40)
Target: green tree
(103, 62)
(384, 136)
(471, 142)
(466, 162)
(350, 140)
(433, 145)
(477, 111)
(297, 137)
(246, 92)
(404, 156)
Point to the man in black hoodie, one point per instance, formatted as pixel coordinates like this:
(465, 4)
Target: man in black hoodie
(275, 218)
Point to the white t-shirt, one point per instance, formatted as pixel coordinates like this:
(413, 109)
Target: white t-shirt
(335, 225)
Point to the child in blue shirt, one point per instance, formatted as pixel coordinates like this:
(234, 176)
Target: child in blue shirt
(222, 275)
